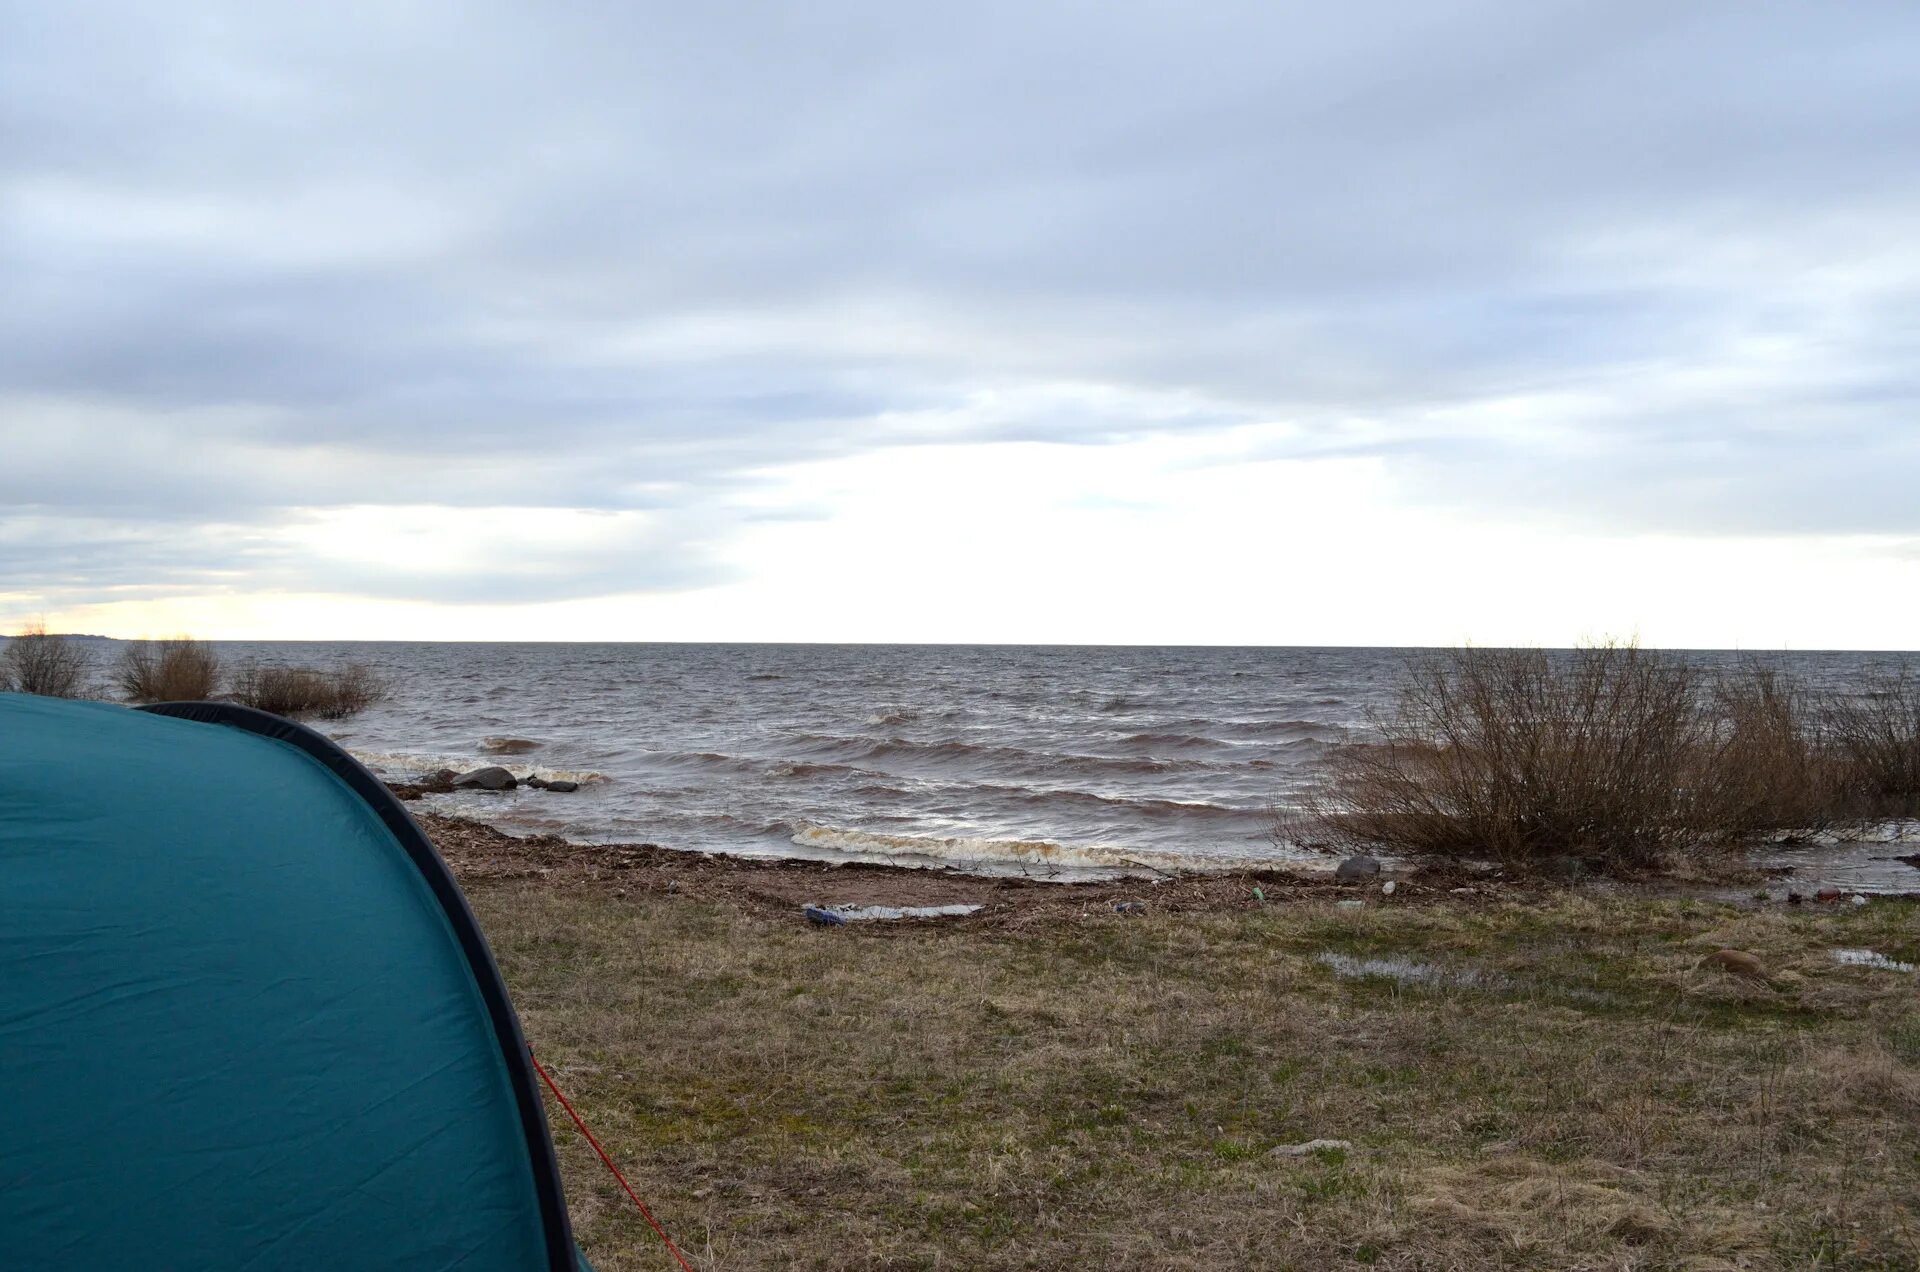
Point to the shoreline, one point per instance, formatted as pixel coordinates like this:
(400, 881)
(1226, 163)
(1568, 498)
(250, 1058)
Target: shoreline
(481, 854)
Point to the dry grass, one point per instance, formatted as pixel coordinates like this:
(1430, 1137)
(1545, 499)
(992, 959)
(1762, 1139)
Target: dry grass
(298, 692)
(178, 670)
(1574, 1088)
(48, 665)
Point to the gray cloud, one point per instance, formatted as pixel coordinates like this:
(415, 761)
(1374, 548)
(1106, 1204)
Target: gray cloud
(1632, 265)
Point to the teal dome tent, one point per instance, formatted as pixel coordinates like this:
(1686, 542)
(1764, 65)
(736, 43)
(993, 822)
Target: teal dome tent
(247, 1020)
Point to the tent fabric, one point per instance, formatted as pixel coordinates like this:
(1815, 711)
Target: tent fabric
(246, 1019)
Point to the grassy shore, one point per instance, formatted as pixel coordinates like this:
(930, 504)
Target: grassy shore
(1541, 1081)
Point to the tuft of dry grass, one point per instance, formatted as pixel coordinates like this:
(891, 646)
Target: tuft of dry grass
(177, 670)
(49, 665)
(308, 691)
(1578, 1090)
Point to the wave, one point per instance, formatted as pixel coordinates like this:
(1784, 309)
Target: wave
(1173, 742)
(1230, 735)
(963, 850)
(983, 757)
(408, 764)
(1146, 807)
(806, 768)
(583, 776)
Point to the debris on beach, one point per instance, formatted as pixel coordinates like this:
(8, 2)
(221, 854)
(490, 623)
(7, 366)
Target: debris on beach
(1311, 1147)
(840, 915)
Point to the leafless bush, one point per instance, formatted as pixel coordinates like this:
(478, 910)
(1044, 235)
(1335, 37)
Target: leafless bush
(1774, 769)
(179, 670)
(309, 691)
(1616, 755)
(51, 666)
(355, 688)
(1875, 733)
(1522, 756)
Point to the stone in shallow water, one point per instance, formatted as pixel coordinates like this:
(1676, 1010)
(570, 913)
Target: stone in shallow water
(490, 778)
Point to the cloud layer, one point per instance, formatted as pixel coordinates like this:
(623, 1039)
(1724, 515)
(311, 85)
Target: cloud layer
(575, 284)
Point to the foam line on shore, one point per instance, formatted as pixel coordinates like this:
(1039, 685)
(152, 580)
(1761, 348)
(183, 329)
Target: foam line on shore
(961, 850)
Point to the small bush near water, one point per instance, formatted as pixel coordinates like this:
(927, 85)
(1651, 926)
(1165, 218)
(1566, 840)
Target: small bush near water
(180, 670)
(1617, 756)
(308, 691)
(1876, 734)
(49, 665)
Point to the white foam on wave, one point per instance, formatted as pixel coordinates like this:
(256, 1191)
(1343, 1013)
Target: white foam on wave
(409, 765)
(582, 776)
(963, 850)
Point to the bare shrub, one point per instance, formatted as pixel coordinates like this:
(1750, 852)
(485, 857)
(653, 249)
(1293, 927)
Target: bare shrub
(178, 670)
(1773, 769)
(1875, 734)
(1521, 756)
(355, 688)
(48, 665)
(309, 691)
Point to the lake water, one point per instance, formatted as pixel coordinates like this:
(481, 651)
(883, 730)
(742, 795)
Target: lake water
(1032, 759)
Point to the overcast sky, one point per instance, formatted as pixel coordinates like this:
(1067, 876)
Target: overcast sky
(1269, 324)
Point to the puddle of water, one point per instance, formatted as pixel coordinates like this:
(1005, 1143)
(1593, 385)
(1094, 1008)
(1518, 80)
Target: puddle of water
(1405, 971)
(1860, 859)
(1869, 958)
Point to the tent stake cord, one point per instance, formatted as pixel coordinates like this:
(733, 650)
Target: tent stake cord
(546, 1077)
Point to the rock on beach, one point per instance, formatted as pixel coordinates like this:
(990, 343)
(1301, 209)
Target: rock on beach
(1356, 869)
